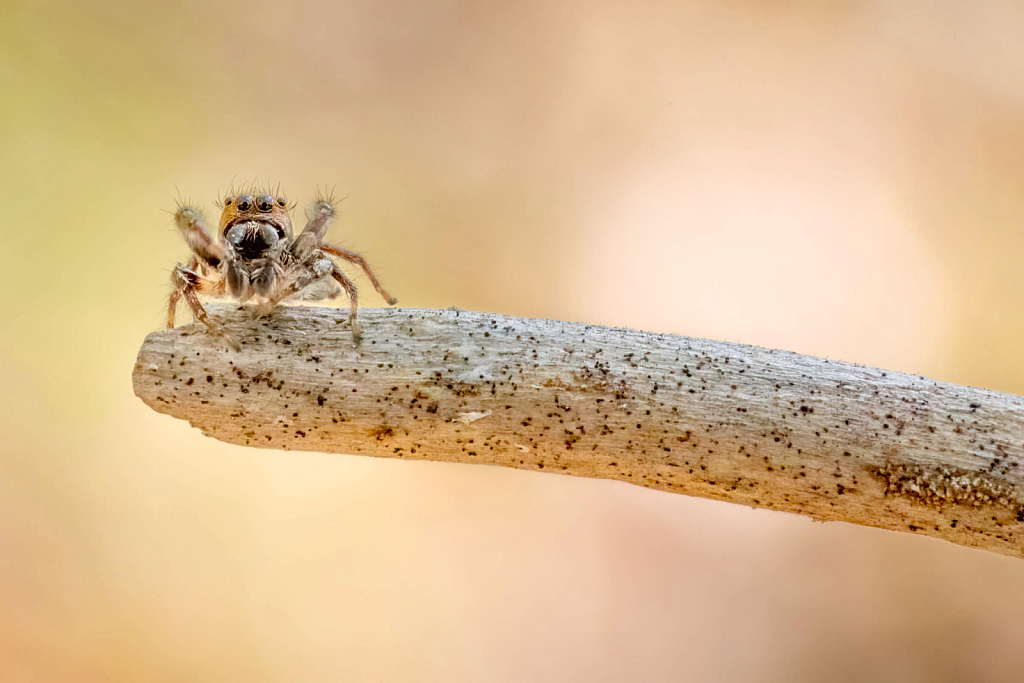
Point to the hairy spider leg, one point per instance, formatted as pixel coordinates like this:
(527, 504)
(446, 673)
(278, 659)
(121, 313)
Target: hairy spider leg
(190, 222)
(319, 220)
(353, 297)
(187, 284)
(172, 302)
(311, 269)
(358, 260)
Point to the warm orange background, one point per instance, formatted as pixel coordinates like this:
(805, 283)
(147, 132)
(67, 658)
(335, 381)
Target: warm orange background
(843, 179)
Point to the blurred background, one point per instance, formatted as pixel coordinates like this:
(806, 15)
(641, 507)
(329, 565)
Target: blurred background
(841, 179)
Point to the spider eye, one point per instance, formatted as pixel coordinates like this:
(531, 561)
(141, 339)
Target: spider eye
(227, 201)
(264, 202)
(281, 201)
(244, 202)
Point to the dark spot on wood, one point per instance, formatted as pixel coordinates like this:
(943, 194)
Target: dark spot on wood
(382, 431)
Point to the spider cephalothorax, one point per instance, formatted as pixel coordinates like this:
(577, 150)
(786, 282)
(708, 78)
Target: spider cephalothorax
(255, 256)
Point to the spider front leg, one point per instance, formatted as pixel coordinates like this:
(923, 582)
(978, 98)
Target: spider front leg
(311, 239)
(355, 258)
(276, 284)
(189, 220)
(318, 220)
(316, 266)
(172, 302)
(187, 285)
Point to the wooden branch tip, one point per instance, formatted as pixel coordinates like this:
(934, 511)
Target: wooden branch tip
(832, 440)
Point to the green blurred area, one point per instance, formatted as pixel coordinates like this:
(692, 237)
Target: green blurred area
(838, 179)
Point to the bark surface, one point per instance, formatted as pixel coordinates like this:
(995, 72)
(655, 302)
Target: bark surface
(832, 440)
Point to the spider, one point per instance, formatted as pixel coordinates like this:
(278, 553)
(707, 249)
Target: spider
(256, 256)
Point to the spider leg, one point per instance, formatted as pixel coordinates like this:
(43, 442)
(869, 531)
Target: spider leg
(355, 258)
(187, 285)
(190, 222)
(295, 279)
(316, 267)
(319, 219)
(353, 297)
(172, 302)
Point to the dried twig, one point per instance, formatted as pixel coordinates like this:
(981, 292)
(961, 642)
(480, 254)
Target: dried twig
(774, 429)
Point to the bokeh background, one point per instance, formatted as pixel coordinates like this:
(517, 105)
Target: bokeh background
(844, 179)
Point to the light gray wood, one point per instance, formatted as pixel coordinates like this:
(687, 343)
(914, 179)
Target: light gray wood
(774, 429)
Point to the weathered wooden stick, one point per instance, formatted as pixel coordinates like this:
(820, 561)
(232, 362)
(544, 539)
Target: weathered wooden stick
(832, 440)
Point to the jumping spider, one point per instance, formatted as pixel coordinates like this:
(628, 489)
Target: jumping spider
(255, 256)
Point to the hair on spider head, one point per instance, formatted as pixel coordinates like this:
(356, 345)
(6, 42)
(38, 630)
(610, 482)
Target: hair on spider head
(254, 188)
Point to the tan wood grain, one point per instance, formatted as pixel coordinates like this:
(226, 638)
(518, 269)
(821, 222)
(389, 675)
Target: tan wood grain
(832, 440)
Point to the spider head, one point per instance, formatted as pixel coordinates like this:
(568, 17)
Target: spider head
(252, 224)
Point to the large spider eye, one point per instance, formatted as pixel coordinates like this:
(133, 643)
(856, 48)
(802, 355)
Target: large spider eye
(244, 202)
(281, 201)
(265, 202)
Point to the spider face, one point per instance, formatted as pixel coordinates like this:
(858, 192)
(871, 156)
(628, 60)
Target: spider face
(252, 226)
